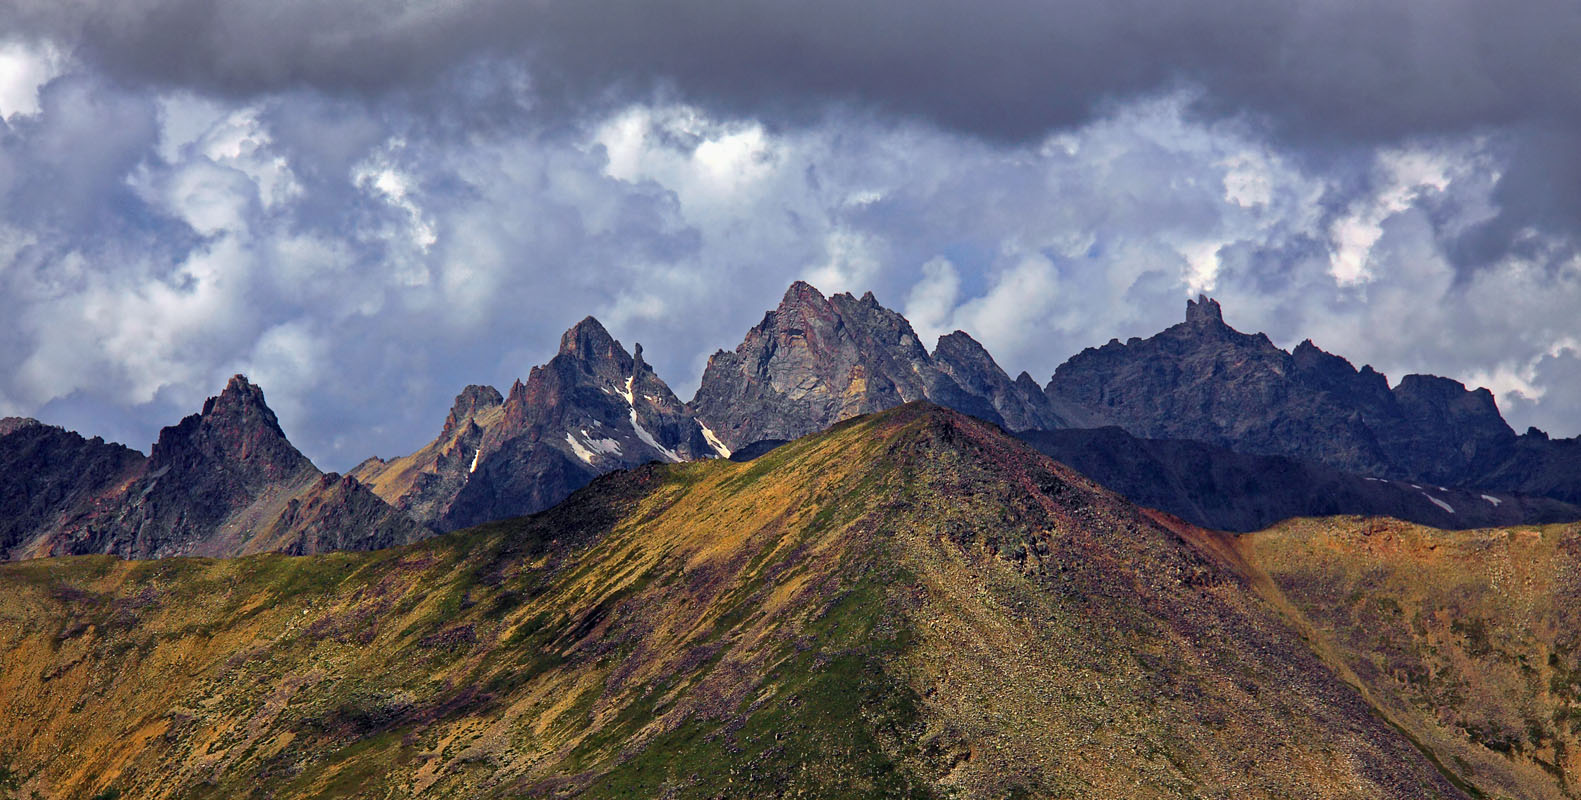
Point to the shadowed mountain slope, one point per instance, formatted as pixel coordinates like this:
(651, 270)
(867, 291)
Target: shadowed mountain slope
(223, 482)
(911, 604)
(1203, 380)
(49, 476)
(1221, 489)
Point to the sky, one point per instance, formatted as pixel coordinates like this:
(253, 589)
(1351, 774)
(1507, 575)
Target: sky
(365, 206)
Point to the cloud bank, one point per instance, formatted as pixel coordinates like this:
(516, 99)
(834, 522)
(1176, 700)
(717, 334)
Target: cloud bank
(366, 206)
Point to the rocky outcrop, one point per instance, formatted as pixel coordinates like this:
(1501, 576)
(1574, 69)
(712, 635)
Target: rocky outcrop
(1021, 403)
(223, 482)
(49, 476)
(1204, 380)
(425, 483)
(814, 361)
(591, 409)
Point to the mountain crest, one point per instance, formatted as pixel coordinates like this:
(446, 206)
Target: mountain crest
(802, 293)
(9, 425)
(1204, 311)
(588, 340)
(472, 400)
(236, 429)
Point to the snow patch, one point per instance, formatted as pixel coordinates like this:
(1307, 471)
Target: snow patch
(1490, 498)
(608, 447)
(581, 452)
(1378, 480)
(1414, 486)
(475, 457)
(713, 441)
(642, 433)
(589, 449)
(1439, 503)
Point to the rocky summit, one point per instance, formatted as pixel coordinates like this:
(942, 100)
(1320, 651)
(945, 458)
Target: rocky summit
(1203, 380)
(912, 604)
(591, 409)
(222, 482)
(814, 361)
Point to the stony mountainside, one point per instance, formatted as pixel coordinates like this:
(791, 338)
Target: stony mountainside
(814, 361)
(1205, 381)
(50, 476)
(592, 409)
(425, 483)
(1218, 488)
(223, 482)
(1470, 641)
(909, 605)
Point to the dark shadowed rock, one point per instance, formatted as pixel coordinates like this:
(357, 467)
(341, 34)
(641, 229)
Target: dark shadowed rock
(1021, 404)
(49, 475)
(1219, 488)
(1205, 381)
(222, 482)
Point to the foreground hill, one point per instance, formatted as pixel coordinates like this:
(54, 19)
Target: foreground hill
(1471, 641)
(912, 604)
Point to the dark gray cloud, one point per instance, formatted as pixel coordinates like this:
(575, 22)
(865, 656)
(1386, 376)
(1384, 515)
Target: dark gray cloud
(1008, 69)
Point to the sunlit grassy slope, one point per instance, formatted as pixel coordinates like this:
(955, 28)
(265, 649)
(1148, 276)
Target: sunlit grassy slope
(1471, 640)
(909, 605)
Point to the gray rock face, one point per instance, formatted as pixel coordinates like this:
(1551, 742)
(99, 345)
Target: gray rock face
(1205, 381)
(592, 409)
(223, 482)
(814, 361)
(1021, 404)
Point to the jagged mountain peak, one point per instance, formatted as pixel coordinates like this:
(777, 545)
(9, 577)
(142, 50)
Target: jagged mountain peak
(801, 293)
(1204, 311)
(236, 426)
(813, 361)
(240, 398)
(962, 344)
(469, 403)
(9, 425)
(589, 340)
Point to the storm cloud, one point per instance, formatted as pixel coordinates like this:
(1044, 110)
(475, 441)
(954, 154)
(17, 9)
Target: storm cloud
(368, 205)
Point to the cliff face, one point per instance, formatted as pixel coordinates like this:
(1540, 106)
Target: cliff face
(223, 482)
(814, 361)
(1205, 381)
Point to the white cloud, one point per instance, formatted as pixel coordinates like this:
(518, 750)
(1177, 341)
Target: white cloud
(932, 300)
(24, 68)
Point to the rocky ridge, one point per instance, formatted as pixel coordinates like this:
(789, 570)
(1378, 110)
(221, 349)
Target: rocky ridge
(591, 409)
(223, 482)
(1205, 381)
(1200, 403)
(814, 361)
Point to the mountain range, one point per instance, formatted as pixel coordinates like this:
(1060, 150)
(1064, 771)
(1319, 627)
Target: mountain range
(910, 604)
(1221, 428)
(1194, 565)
